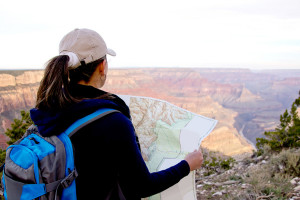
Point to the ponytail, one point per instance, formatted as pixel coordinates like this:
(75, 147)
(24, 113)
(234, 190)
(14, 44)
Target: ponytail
(53, 92)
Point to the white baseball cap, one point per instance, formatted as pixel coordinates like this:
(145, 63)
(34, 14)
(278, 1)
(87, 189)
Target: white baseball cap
(86, 44)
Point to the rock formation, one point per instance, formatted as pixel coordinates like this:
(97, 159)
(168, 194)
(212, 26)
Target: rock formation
(244, 102)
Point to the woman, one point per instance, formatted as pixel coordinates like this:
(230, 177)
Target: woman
(69, 92)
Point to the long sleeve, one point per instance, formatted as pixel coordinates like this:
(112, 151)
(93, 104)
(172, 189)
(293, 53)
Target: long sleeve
(134, 174)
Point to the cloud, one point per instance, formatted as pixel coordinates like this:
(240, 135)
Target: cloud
(157, 33)
(283, 9)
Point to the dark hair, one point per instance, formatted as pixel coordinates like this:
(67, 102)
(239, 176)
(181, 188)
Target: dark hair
(54, 91)
(84, 72)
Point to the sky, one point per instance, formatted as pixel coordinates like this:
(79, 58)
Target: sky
(255, 34)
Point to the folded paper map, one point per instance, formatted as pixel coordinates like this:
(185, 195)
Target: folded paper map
(167, 134)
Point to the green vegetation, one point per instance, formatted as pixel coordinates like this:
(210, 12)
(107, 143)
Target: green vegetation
(273, 179)
(214, 163)
(18, 128)
(282, 148)
(2, 156)
(286, 135)
(268, 173)
(286, 163)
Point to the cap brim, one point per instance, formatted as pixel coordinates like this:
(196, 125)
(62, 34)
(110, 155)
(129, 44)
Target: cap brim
(111, 52)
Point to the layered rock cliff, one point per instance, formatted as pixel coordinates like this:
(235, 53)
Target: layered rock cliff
(17, 92)
(244, 102)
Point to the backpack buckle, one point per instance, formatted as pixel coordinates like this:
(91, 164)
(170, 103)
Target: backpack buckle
(67, 181)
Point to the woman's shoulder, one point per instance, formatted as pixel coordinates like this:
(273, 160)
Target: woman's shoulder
(114, 122)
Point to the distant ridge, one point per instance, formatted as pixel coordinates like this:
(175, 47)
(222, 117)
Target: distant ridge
(17, 72)
(244, 102)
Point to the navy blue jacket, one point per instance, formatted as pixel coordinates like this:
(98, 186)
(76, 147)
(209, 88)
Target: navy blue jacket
(106, 150)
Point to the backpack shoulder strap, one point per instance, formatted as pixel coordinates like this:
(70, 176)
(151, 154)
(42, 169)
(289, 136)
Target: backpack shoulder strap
(77, 125)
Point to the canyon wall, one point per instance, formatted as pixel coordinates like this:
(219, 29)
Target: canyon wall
(17, 92)
(245, 103)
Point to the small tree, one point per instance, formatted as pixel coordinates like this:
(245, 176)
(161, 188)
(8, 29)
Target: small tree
(19, 127)
(2, 156)
(287, 134)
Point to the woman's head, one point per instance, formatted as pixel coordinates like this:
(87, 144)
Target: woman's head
(82, 57)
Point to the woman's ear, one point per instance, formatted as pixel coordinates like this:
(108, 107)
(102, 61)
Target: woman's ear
(102, 67)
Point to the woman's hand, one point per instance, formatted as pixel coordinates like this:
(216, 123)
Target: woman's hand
(194, 159)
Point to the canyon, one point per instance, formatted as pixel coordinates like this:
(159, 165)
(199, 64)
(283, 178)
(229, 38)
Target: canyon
(246, 103)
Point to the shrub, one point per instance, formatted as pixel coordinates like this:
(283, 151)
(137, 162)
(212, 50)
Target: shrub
(274, 177)
(212, 164)
(18, 128)
(287, 162)
(287, 133)
(226, 164)
(264, 182)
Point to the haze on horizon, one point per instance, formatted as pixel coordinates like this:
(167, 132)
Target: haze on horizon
(255, 34)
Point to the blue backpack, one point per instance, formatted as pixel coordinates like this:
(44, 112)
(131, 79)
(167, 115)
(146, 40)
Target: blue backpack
(38, 167)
